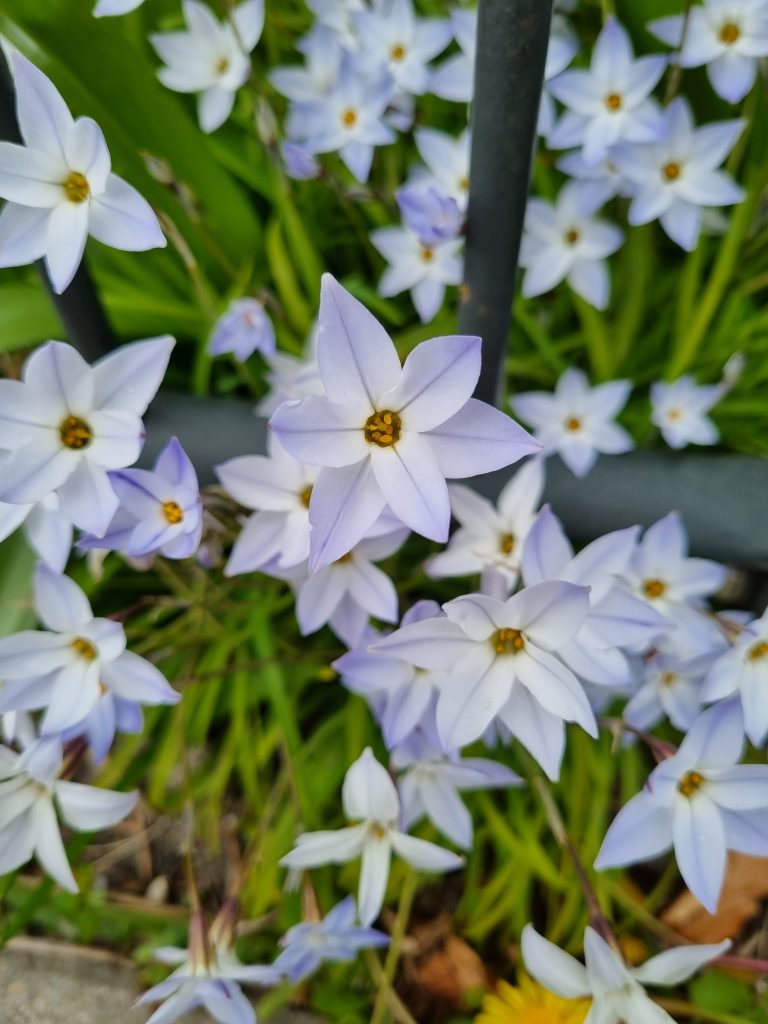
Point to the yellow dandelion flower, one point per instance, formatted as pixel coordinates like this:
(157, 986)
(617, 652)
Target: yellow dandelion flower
(529, 1003)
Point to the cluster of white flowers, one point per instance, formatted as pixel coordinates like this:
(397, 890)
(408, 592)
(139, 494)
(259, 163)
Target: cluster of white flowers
(360, 452)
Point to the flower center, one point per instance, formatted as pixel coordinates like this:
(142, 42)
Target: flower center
(613, 101)
(507, 543)
(673, 415)
(729, 33)
(377, 830)
(84, 648)
(173, 512)
(758, 651)
(427, 254)
(76, 187)
(572, 236)
(690, 783)
(397, 52)
(671, 171)
(668, 678)
(463, 183)
(75, 433)
(222, 65)
(654, 588)
(349, 117)
(573, 423)
(383, 428)
(305, 495)
(508, 641)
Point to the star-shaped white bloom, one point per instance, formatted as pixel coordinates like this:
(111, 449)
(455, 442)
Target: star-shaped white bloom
(446, 162)
(564, 241)
(610, 102)
(674, 177)
(210, 57)
(430, 782)
(65, 668)
(339, 17)
(491, 535)
(576, 421)
(348, 118)
(30, 794)
(322, 58)
(208, 974)
(347, 592)
(389, 434)
(335, 939)
(369, 797)
(401, 695)
(67, 423)
(502, 663)
(423, 269)
(701, 802)
(278, 489)
(675, 585)
(679, 410)
(729, 36)
(59, 186)
(617, 991)
(47, 530)
(289, 377)
(671, 687)
(390, 34)
(617, 620)
(455, 78)
(744, 670)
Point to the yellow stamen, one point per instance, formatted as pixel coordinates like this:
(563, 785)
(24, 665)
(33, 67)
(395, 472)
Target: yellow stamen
(758, 651)
(173, 512)
(507, 543)
(729, 33)
(654, 588)
(573, 423)
(427, 254)
(671, 171)
(349, 117)
(383, 428)
(84, 648)
(397, 52)
(76, 187)
(75, 433)
(572, 236)
(613, 101)
(222, 65)
(668, 678)
(690, 783)
(305, 495)
(673, 415)
(508, 641)
(463, 183)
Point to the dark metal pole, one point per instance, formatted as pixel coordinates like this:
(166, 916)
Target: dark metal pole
(512, 40)
(79, 308)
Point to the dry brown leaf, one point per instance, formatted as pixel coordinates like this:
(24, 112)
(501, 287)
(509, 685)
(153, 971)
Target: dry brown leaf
(442, 965)
(745, 887)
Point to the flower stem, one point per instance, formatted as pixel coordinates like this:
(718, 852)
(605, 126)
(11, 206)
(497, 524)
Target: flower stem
(407, 893)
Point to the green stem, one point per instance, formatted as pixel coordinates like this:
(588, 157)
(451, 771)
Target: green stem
(636, 300)
(687, 344)
(596, 337)
(683, 1009)
(407, 893)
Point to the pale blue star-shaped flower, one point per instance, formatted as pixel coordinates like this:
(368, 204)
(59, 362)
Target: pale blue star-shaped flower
(676, 177)
(66, 424)
(31, 793)
(337, 938)
(64, 668)
(161, 511)
(701, 802)
(59, 186)
(389, 434)
(370, 798)
(611, 101)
